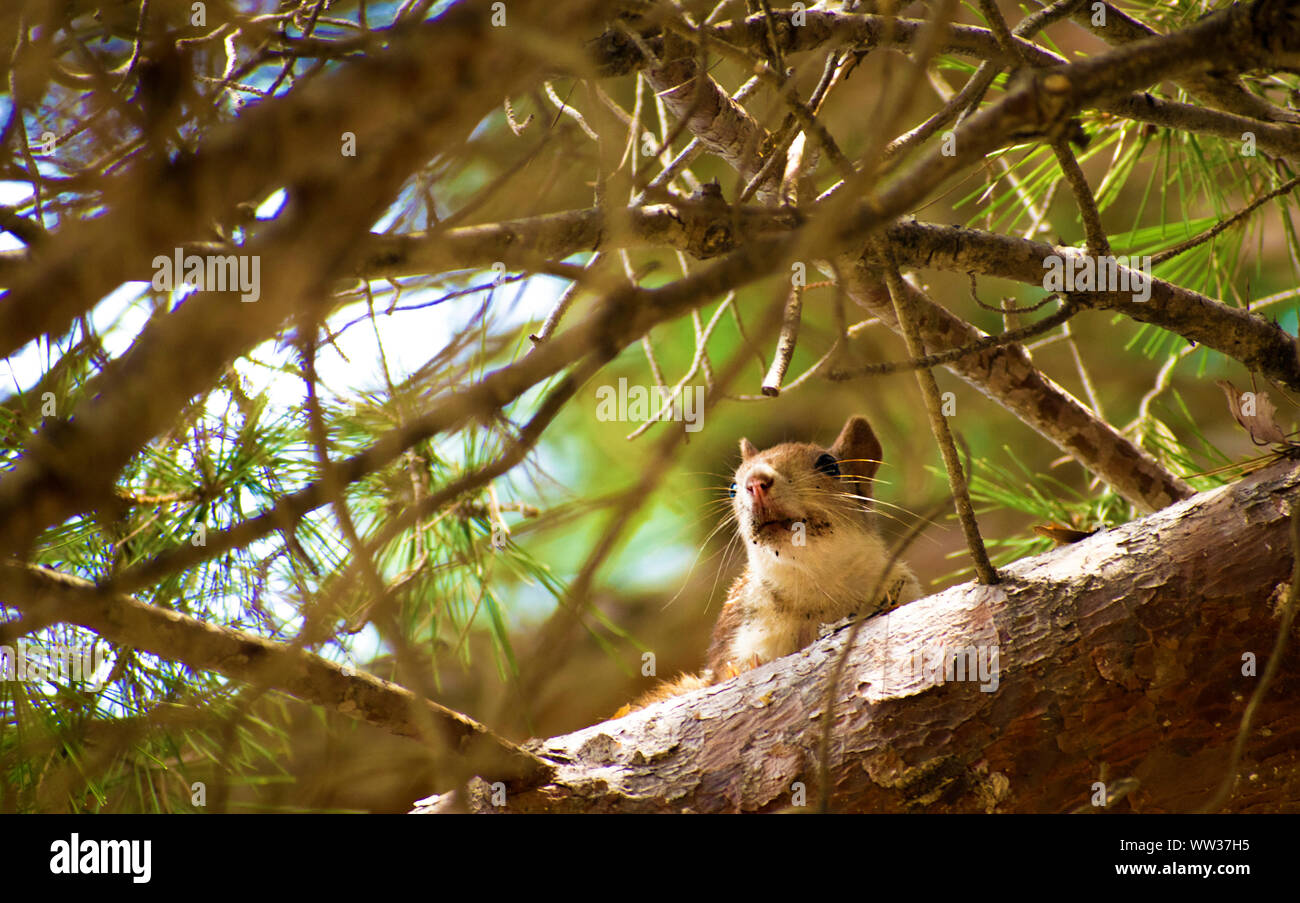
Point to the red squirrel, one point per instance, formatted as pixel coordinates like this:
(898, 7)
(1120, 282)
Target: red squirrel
(814, 556)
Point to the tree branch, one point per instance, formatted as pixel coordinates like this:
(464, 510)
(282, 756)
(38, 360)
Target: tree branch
(1117, 620)
(1006, 375)
(1241, 335)
(42, 594)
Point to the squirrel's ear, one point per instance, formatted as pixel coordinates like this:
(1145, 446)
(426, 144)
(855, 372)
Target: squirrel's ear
(747, 449)
(858, 451)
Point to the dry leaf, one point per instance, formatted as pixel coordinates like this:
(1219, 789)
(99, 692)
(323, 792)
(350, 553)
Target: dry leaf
(1062, 535)
(1255, 413)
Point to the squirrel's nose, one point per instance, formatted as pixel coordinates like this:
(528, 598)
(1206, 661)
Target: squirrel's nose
(758, 485)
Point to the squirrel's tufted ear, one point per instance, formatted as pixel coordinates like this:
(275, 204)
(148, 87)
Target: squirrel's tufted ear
(858, 451)
(747, 449)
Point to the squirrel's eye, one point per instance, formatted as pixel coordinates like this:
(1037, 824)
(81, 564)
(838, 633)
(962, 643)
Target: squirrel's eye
(828, 465)
(731, 493)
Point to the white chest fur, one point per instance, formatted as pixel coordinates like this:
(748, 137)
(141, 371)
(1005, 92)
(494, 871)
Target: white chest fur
(792, 589)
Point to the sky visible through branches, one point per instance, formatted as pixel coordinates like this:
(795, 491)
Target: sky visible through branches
(469, 229)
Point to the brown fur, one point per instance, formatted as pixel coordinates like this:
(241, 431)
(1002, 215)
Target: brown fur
(796, 581)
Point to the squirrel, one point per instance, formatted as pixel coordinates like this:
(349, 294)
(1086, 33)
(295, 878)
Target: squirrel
(814, 556)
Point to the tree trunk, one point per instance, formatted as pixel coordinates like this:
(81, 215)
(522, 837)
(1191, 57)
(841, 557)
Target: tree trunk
(1126, 657)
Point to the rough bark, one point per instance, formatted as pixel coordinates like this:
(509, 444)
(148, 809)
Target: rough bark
(1121, 657)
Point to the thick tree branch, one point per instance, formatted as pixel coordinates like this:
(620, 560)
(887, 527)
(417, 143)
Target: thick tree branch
(1120, 653)
(1006, 375)
(410, 95)
(721, 124)
(70, 465)
(836, 29)
(1216, 89)
(334, 199)
(1237, 333)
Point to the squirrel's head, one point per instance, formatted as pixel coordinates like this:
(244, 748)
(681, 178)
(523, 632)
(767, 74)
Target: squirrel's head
(796, 492)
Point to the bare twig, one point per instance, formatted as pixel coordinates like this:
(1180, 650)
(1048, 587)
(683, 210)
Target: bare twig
(939, 426)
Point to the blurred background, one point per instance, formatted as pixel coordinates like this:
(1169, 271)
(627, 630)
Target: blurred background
(480, 606)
